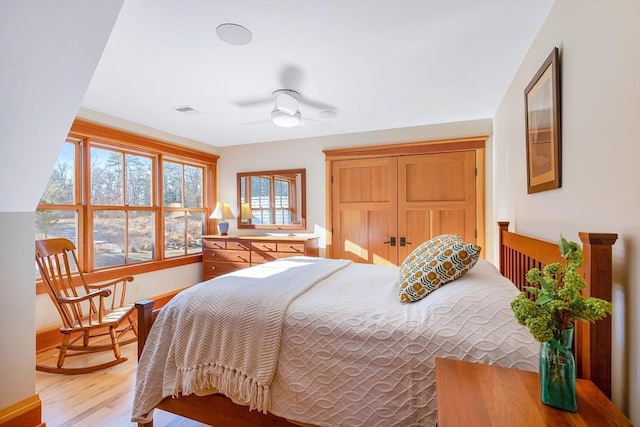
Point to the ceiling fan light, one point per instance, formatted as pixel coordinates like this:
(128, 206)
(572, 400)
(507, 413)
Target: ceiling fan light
(285, 120)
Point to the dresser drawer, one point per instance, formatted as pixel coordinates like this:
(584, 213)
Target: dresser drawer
(264, 256)
(291, 247)
(214, 244)
(216, 255)
(264, 246)
(235, 245)
(296, 248)
(214, 269)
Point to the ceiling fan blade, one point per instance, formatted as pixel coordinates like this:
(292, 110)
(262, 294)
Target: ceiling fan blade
(259, 122)
(290, 77)
(316, 104)
(255, 102)
(310, 122)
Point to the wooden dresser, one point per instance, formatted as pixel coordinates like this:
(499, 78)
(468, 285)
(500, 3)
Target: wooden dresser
(224, 254)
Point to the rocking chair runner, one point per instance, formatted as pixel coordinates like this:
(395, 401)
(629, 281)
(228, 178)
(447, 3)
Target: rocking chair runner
(97, 310)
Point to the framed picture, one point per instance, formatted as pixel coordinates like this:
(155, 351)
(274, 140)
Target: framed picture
(542, 118)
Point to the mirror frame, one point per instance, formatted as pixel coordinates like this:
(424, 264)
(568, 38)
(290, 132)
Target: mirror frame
(303, 200)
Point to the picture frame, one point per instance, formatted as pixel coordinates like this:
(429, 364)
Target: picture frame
(543, 132)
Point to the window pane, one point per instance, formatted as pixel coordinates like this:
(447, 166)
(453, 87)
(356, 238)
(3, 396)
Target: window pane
(263, 193)
(108, 238)
(57, 223)
(60, 189)
(282, 194)
(172, 174)
(175, 235)
(262, 217)
(195, 229)
(192, 186)
(106, 177)
(138, 175)
(141, 237)
(283, 216)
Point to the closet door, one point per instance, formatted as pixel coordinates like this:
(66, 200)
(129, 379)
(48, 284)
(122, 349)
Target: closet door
(364, 210)
(436, 195)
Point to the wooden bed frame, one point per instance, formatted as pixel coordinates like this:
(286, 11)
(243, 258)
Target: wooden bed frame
(518, 254)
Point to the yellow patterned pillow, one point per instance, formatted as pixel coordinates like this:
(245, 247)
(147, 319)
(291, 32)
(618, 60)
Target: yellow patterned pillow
(434, 263)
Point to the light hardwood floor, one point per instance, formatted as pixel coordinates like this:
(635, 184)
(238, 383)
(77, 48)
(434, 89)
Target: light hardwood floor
(99, 399)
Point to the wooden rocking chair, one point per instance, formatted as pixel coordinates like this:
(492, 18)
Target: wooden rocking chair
(97, 310)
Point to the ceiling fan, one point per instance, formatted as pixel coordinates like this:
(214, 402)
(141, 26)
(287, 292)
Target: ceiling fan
(286, 109)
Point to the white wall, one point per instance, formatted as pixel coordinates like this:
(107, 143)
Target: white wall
(147, 285)
(599, 44)
(48, 52)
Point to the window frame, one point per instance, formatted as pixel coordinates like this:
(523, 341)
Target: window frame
(87, 134)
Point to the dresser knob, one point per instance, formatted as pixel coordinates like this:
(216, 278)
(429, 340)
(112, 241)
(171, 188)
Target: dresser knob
(213, 267)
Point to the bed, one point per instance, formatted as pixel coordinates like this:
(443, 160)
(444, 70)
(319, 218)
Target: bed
(348, 357)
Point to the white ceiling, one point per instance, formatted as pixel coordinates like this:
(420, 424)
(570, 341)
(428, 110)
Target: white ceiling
(378, 64)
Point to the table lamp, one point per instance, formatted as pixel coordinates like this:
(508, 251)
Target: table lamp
(222, 213)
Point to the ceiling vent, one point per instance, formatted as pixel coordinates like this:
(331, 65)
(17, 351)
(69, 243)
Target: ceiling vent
(184, 109)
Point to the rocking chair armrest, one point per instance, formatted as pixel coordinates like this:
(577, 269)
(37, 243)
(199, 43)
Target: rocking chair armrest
(101, 293)
(111, 283)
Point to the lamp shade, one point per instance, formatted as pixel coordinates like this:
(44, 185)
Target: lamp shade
(245, 212)
(222, 213)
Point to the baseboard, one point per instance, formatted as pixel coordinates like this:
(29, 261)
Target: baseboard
(26, 413)
(48, 338)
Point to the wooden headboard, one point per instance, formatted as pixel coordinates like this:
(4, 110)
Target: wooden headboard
(520, 253)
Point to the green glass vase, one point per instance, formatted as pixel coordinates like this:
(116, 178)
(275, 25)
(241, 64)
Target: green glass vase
(558, 372)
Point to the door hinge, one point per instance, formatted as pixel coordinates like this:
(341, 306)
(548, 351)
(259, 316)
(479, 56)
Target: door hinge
(476, 234)
(332, 179)
(476, 172)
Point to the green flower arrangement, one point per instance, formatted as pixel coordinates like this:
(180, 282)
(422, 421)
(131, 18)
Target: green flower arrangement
(558, 300)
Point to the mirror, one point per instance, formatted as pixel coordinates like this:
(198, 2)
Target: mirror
(272, 200)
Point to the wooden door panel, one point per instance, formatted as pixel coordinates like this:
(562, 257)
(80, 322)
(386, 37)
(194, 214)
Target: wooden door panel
(362, 236)
(360, 184)
(436, 195)
(364, 213)
(353, 242)
(435, 179)
(381, 253)
(418, 230)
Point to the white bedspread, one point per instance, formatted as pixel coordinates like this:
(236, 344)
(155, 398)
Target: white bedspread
(352, 355)
(225, 334)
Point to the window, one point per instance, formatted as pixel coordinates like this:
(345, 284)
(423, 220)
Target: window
(184, 220)
(58, 213)
(121, 211)
(271, 198)
(119, 197)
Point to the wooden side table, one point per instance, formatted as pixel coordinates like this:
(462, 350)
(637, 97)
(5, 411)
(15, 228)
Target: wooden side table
(473, 394)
